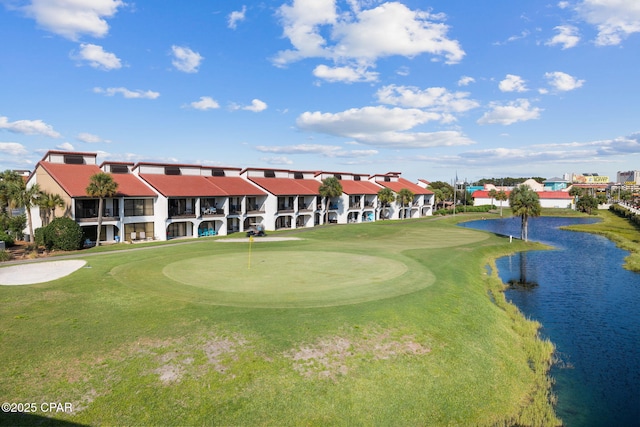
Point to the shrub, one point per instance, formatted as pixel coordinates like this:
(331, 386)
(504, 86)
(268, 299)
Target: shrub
(5, 256)
(62, 233)
(4, 237)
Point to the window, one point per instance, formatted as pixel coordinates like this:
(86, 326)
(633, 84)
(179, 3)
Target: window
(356, 178)
(269, 174)
(119, 169)
(138, 207)
(217, 172)
(298, 175)
(337, 175)
(172, 170)
(73, 159)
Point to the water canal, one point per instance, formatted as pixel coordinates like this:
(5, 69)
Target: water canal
(589, 307)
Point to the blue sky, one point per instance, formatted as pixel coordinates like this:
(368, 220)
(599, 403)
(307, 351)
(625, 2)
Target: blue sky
(520, 88)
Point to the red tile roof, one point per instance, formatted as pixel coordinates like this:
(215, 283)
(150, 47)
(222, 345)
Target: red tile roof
(200, 186)
(359, 187)
(74, 180)
(183, 185)
(401, 183)
(289, 186)
(235, 186)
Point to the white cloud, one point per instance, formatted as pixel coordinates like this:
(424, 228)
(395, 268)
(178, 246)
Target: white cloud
(28, 127)
(185, 59)
(280, 160)
(578, 153)
(72, 18)
(97, 57)
(563, 81)
(512, 83)
(466, 80)
(360, 36)
(381, 127)
(330, 151)
(256, 106)
(90, 138)
(205, 103)
(13, 148)
(436, 99)
(614, 19)
(344, 74)
(515, 111)
(235, 17)
(65, 146)
(567, 37)
(131, 94)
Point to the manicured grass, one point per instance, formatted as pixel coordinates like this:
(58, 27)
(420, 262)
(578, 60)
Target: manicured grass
(389, 323)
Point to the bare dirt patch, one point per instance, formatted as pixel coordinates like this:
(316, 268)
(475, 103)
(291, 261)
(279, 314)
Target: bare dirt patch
(329, 358)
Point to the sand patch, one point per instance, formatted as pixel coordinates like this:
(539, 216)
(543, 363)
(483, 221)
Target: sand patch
(38, 272)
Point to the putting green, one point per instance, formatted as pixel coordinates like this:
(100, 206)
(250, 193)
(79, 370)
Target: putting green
(281, 279)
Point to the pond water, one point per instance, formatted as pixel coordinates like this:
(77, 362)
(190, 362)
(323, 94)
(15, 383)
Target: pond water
(589, 307)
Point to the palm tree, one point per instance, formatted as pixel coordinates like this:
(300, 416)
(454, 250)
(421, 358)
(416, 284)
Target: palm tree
(524, 203)
(48, 204)
(385, 196)
(7, 180)
(329, 189)
(21, 196)
(405, 197)
(492, 193)
(102, 186)
(501, 197)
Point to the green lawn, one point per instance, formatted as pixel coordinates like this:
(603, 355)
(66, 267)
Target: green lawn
(388, 323)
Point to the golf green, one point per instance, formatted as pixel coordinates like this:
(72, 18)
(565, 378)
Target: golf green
(282, 278)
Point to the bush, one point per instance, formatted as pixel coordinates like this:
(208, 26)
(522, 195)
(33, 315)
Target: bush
(5, 256)
(626, 213)
(62, 233)
(4, 237)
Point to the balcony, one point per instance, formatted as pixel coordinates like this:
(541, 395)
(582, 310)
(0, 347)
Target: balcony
(181, 213)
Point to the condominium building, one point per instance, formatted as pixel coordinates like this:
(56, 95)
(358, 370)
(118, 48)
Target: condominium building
(164, 201)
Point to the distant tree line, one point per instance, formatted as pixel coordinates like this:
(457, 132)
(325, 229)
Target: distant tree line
(508, 181)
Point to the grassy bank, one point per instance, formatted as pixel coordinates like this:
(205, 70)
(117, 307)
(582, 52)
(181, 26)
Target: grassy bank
(156, 336)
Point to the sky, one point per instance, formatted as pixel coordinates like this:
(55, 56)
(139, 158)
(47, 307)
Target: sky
(432, 89)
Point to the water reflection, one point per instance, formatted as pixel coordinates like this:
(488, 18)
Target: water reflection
(588, 306)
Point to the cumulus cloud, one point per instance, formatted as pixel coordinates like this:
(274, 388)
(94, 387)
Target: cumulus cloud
(435, 99)
(381, 127)
(256, 106)
(519, 110)
(465, 81)
(614, 19)
(567, 37)
(28, 127)
(330, 151)
(13, 149)
(70, 19)
(97, 57)
(205, 103)
(235, 17)
(563, 81)
(130, 94)
(512, 83)
(185, 59)
(362, 36)
(66, 146)
(346, 74)
(90, 138)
